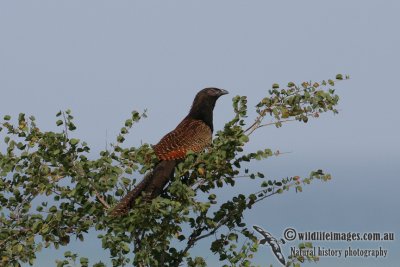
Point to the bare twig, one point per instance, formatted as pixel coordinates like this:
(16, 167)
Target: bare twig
(199, 183)
(273, 123)
(257, 122)
(101, 200)
(255, 126)
(65, 125)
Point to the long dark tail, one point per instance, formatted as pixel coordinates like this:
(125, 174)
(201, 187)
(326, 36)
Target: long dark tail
(151, 185)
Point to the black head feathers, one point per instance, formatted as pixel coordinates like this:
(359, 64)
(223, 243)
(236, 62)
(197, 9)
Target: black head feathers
(204, 103)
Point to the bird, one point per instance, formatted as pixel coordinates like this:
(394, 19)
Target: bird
(193, 133)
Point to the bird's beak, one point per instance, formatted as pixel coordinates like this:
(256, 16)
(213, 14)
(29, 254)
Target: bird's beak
(223, 92)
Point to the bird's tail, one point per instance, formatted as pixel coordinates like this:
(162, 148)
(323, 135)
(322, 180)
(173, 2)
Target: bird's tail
(151, 185)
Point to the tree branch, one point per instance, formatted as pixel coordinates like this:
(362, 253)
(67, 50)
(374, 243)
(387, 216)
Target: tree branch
(101, 200)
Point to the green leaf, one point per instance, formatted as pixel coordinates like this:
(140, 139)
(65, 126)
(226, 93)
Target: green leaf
(53, 209)
(71, 126)
(290, 84)
(128, 123)
(339, 77)
(59, 122)
(84, 261)
(232, 236)
(244, 138)
(45, 229)
(7, 117)
(125, 248)
(74, 141)
(120, 139)
(308, 244)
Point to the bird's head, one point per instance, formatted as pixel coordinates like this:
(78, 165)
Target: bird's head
(212, 92)
(208, 97)
(204, 103)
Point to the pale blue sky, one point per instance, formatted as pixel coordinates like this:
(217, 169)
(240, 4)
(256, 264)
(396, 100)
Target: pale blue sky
(103, 59)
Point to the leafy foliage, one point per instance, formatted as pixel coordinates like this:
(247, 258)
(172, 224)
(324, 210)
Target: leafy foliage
(52, 189)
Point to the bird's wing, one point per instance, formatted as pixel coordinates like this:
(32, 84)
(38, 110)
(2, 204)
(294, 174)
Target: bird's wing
(189, 135)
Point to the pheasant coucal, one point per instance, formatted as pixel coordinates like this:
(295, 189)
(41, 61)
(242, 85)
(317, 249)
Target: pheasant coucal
(193, 133)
